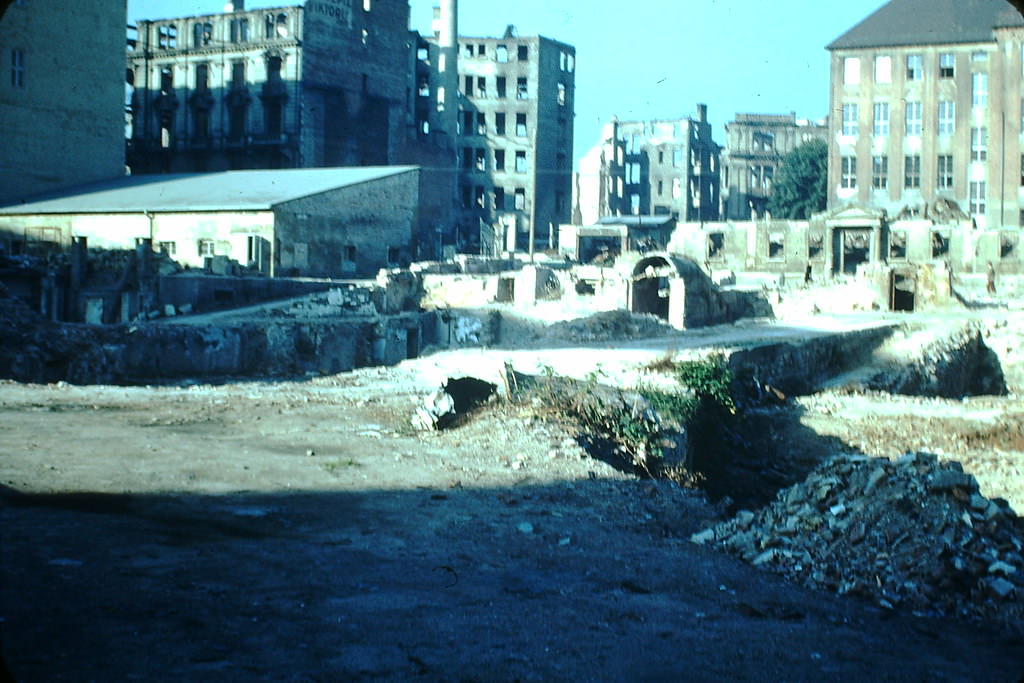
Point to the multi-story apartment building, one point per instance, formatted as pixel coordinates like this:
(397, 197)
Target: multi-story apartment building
(513, 122)
(755, 145)
(663, 167)
(61, 95)
(926, 107)
(325, 84)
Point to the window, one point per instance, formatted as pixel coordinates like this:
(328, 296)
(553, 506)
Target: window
(481, 159)
(500, 86)
(1022, 170)
(979, 56)
(499, 199)
(237, 75)
(481, 86)
(478, 197)
(632, 173)
(168, 248)
(947, 65)
(976, 204)
(850, 114)
(167, 36)
(17, 68)
(499, 123)
(848, 174)
(281, 25)
(520, 199)
(567, 62)
(898, 244)
(481, 123)
(947, 117)
(561, 94)
(467, 49)
(915, 68)
(202, 34)
(945, 172)
(940, 244)
(881, 129)
(239, 30)
(776, 245)
(851, 71)
(520, 161)
(367, 5)
(467, 89)
(524, 53)
(979, 90)
(499, 160)
(467, 157)
(501, 53)
(422, 54)
(269, 26)
(912, 172)
(522, 92)
(880, 172)
(677, 157)
(521, 125)
(883, 69)
(466, 125)
(913, 124)
(206, 248)
(979, 144)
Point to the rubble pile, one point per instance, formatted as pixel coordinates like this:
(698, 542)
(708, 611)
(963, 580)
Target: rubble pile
(913, 534)
(609, 326)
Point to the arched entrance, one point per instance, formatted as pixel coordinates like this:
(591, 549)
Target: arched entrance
(651, 290)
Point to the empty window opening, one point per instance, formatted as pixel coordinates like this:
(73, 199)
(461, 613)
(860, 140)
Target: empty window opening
(522, 91)
(478, 197)
(521, 125)
(467, 123)
(481, 159)
(499, 199)
(855, 249)
(520, 199)
(776, 245)
(422, 54)
(167, 36)
(903, 292)
(281, 25)
(499, 123)
(499, 160)
(239, 30)
(520, 161)
(524, 53)
(898, 245)
(481, 123)
(501, 53)
(940, 244)
(18, 68)
(815, 245)
(716, 246)
(1008, 242)
(481, 86)
(500, 85)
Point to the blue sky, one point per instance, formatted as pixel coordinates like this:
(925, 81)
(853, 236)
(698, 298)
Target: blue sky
(654, 58)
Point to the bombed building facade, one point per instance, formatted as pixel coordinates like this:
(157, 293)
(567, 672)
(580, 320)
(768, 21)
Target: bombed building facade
(323, 84)
(662, 167)
(56, 132)
(512, 116)
(755, 145)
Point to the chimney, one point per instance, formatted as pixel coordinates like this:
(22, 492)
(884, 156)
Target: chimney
(234, 6)
(702, 113)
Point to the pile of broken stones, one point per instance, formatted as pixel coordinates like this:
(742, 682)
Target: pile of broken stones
(912, 534)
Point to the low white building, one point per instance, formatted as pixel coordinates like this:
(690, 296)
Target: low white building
(325, 222)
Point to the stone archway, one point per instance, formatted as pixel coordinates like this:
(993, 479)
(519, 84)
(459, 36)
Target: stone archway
(652, 285)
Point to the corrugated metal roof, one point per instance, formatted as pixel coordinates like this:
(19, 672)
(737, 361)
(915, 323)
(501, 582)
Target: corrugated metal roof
(225, 191)
(930, 22)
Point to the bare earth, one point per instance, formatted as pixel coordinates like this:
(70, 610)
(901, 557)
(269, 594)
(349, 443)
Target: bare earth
(302, 531)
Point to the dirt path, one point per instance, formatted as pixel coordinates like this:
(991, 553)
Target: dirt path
(303, 532)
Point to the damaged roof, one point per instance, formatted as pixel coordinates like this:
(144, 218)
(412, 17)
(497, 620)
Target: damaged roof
(928, 22)
(194, 192)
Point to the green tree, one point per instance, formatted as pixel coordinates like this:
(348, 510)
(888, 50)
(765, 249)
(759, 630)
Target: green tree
(801, 186)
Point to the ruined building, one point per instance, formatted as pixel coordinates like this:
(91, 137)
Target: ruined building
(512, 114)
(325, 84)
(927, 111)
(755, 146)
(57, 131)
(663, 167)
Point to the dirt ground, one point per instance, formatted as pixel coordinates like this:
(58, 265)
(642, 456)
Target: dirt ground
(302, 531)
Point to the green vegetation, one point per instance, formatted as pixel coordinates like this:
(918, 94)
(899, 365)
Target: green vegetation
(801, 186)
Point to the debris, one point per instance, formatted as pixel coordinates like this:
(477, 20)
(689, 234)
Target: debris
(457, 397)
(914, 534)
